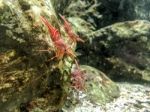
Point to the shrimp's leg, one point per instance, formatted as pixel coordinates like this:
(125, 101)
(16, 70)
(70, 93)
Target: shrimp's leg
(59, 55)
(51, 58)
(77, 64)
(47, 50)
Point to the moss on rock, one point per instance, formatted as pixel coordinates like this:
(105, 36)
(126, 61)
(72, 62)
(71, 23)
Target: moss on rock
(27, 80)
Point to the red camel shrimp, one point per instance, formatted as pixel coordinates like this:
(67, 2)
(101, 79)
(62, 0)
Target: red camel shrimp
(77, 77)
(68, 29)
(61, 47)
(61, 50)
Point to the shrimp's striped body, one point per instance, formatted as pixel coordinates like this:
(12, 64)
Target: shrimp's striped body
(61, 47)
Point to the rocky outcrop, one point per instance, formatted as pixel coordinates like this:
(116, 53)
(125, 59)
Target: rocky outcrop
(121, 50)
(27, 81)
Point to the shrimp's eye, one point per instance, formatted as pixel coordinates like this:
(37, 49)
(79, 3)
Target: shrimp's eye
(65, 50)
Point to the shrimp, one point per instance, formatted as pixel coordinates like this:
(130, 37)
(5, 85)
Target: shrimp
(61, 47)
(77, 78)
(74, 37)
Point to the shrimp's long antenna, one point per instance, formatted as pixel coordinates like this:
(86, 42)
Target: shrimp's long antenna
(74, 37)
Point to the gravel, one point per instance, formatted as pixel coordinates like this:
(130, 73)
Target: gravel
(133, 98)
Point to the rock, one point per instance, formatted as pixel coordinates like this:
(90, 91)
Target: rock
(80, 25)
(131, 10)
(25, 75)
(99, 90)
(101, 13)
(98, 87)
(121, 50)
(77, 7)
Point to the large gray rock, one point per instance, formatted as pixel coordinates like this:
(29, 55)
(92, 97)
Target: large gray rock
(120, 50)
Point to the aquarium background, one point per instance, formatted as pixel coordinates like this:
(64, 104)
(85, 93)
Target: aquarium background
(74, 56)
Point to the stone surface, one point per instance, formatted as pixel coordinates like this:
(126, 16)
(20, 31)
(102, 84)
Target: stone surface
(27, 80)
(131, 10)
(98, 87)
(121, 50)
(101, 13)
(133, 98)
(98, 90)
